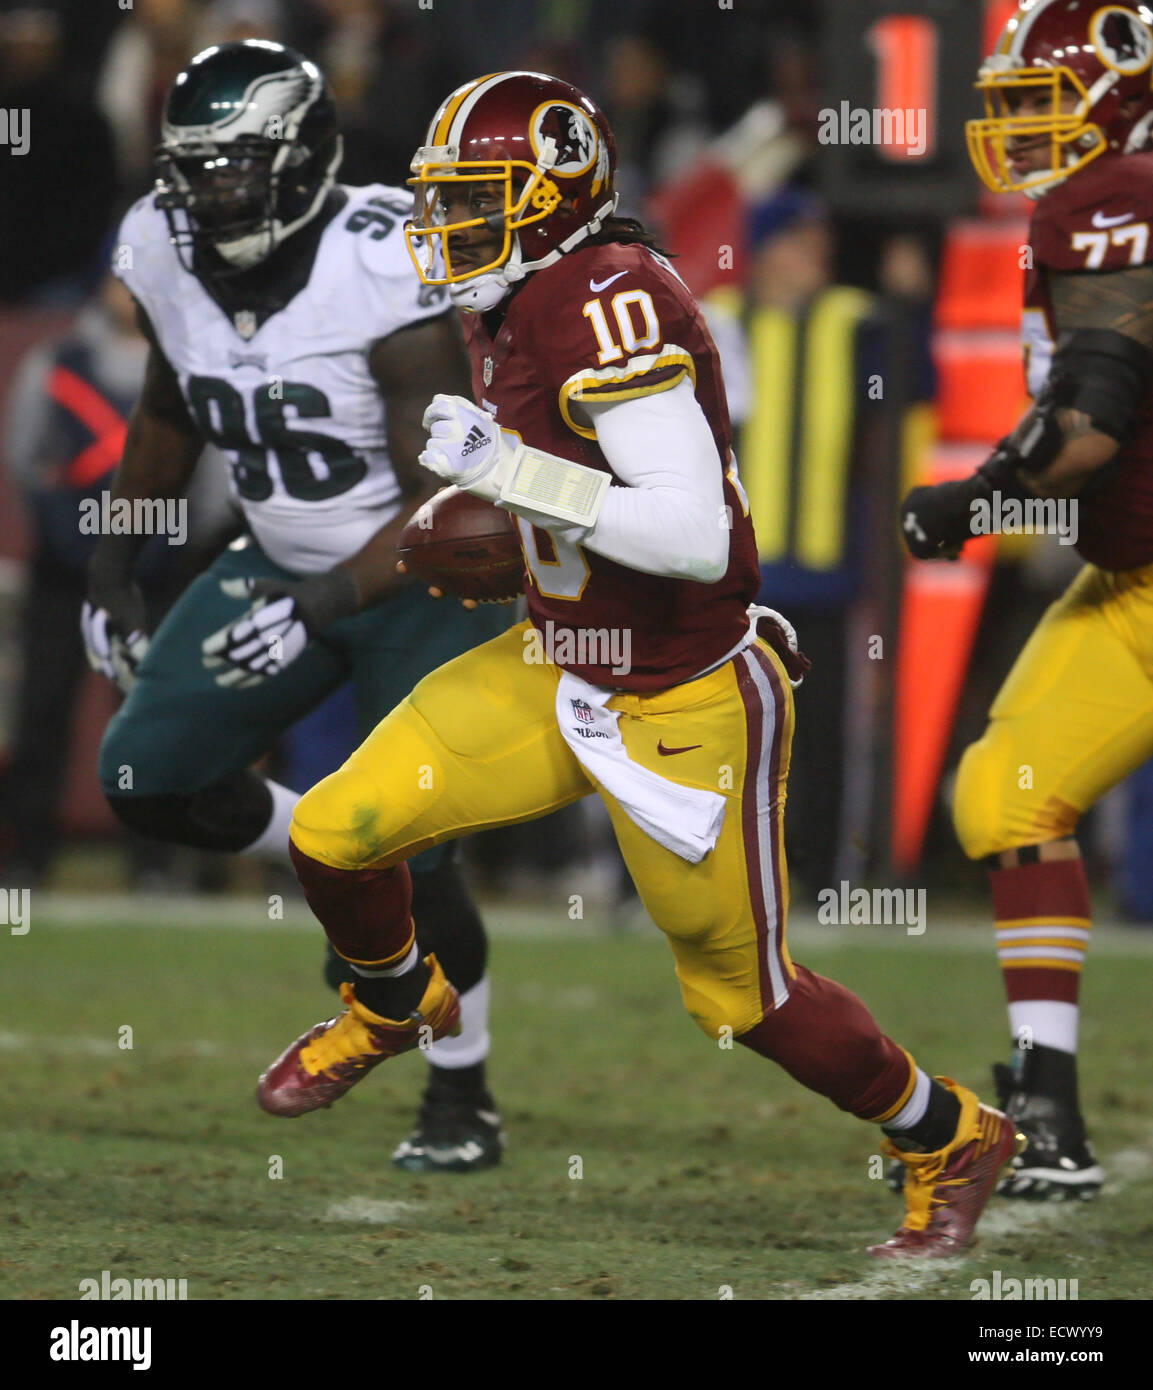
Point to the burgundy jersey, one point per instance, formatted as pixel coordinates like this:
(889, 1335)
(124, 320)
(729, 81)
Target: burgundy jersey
(605, 324)
(1098, 220)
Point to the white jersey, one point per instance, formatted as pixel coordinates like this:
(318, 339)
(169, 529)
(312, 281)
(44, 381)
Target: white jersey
(292, 403)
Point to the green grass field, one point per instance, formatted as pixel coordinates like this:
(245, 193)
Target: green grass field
(701, 1168)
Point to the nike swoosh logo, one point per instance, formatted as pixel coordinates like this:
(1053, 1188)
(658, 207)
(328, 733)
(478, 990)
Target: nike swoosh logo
(604, 284)
(1100, 221)
(666, 752)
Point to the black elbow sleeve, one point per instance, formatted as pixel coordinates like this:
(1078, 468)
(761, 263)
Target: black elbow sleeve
(1104, 375)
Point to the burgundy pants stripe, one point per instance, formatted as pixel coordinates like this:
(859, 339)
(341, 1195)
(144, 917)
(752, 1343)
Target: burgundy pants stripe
(764, 702)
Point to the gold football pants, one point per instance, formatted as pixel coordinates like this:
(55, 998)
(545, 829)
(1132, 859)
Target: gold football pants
(476, 745)
(1074, 717)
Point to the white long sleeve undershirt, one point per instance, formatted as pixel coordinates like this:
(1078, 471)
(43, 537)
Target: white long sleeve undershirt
(670, 518)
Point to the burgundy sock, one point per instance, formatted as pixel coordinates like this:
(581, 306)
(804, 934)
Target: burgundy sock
(365, 913)
(826, 1039)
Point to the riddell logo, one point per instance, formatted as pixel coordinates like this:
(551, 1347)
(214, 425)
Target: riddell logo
(475, 439)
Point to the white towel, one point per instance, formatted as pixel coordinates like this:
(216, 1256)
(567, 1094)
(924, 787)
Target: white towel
(686, 820)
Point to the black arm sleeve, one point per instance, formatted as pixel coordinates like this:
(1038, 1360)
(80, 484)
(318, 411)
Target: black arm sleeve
(1101, 373)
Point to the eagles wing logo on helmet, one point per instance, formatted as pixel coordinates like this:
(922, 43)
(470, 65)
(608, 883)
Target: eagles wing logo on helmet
(1121, 41)
(573, 134)
(249, 151)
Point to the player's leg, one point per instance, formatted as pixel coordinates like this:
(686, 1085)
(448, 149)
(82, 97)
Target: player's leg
(175, 759)
(725, 920)
(475, 745)
(1073, 718)
(391, 648)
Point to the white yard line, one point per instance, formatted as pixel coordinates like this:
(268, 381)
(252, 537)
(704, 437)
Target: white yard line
(372, 1210)
(949, 931)
(110, 1047)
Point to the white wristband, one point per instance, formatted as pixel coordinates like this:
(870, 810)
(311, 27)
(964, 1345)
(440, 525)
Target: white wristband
(554, 487)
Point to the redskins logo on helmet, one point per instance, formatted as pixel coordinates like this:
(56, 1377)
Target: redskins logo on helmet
(525, 157)
(1072, 75)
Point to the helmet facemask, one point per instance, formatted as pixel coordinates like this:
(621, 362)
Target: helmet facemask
(451, 197)
(1073, 140)
(240, 198)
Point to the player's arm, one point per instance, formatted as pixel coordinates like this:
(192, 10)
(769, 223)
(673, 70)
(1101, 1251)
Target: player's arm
(161, 450)
(403, 365)
(1084, 415)
(667, 520)
(1099, 376)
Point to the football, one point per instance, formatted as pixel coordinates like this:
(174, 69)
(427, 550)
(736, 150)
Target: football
(465, 546)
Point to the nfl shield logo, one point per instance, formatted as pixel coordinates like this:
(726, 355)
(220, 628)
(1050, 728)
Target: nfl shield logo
(487, 371)
(583, 711)
(245, 321)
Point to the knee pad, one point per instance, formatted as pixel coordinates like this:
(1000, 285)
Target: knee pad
(226, 816)
(977, 800)
(999, 803)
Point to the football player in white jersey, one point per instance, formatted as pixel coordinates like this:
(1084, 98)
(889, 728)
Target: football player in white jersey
(288, 327)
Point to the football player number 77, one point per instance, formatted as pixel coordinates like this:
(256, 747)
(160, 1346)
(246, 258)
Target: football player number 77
(1097, 244)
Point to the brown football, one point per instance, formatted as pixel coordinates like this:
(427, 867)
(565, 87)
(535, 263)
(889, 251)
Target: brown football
(465, 546)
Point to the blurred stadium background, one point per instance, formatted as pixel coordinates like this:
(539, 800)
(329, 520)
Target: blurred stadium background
(865, 299)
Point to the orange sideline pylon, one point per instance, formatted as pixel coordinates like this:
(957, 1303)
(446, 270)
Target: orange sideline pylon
(940, 611)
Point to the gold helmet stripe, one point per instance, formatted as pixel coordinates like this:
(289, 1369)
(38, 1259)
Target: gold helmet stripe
(1026, 17)
(439, 136)
(461, 112)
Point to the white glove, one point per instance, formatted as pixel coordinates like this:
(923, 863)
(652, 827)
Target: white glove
(262, 642)
(467, 447)
(111, 652)
(274, 631)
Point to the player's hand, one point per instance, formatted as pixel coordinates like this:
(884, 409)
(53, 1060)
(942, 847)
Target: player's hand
(466, 446)
(112, 625)
(469, 603)
(930, 524)
(277, 627)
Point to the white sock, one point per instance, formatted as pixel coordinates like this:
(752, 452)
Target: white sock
(471, 1045)
(389, 972)
(914, 1108)
(1048, 1022)
(272, 842)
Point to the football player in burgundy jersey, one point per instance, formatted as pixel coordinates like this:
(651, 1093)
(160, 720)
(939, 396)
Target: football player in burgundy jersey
(602, 427)
(1069, 110)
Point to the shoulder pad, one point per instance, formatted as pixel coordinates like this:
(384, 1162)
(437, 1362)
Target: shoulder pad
(1098, 220)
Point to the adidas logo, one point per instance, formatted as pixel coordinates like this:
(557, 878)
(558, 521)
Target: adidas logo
(474, 440)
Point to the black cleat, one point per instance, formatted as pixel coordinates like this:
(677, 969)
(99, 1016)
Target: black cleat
(1058, 1164)
(895, 1176)
(455, 1133)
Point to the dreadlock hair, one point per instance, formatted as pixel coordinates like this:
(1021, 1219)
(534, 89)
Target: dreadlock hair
(626, 231)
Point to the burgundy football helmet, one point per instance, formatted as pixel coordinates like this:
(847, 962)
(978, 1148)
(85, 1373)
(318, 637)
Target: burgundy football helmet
(1100, 55)
(537, 158)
